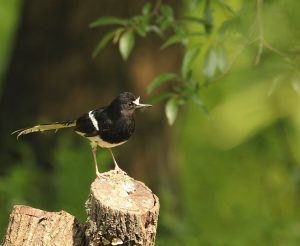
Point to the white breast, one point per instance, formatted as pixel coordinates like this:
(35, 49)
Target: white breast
(97, 140)
(102, 143)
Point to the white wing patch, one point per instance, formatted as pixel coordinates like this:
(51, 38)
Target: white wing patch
(94, 121)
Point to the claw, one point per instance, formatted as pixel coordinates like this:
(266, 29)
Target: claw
(98, 174)
(119, 170)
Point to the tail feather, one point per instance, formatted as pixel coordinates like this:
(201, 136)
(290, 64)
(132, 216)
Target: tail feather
(45, 127)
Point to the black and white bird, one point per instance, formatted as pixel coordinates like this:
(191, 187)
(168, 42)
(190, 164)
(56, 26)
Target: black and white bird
(106, 127)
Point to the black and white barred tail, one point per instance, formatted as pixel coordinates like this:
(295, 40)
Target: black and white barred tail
(45, 127)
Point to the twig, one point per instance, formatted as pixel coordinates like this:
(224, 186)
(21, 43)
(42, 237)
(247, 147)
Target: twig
(260, 30)
(156, 7)
(267, 45)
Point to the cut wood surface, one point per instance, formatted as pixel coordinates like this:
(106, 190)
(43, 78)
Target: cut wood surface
(120, 211)
(31, 226)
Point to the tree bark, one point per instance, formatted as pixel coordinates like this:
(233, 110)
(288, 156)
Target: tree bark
(31, 226)
(121, 211)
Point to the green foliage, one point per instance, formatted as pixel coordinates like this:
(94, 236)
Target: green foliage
(9, 12)
(160, 80)
(103, 42)
(204, 36)
(171, 110)
(210, 63)
(73, 159)
(237, 191)
(238, 171)
(109, 20)
(23, 184)
(126, 43)
(189, 60)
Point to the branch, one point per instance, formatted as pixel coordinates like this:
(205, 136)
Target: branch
(156, 7)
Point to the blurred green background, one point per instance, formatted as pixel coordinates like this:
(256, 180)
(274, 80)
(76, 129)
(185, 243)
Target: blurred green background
(230, 177)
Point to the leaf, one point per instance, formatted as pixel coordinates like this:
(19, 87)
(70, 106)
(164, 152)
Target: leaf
(171, 110)
(189, 59)
(229, 23)
(195, 3)
(142, 29)
(275, 82)
(160, 97)
(142, 26)
(210, 63)
(167, 11)
(167, 18)
(221, 58)
(179, 38)
(103, 42)
(208, 16)
(173, 40)
(157, 30)
(159, 80)
(117, 35)
(178, 29)
(165, 24)
(147, 9)
(126, 44)
(195, 20)
(296, 84)
(199, 103)
(108, 20)
(226, 6)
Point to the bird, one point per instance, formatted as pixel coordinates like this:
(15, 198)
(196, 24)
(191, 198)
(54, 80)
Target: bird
(104, 127)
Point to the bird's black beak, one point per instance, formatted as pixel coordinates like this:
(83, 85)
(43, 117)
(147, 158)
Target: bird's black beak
(140, 105)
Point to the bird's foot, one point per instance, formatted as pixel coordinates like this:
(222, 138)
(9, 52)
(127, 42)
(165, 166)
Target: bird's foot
(119, 170)
(98, 174)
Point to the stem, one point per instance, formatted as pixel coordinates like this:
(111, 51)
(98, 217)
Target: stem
(262, 42)
(286, 148)
(156, 7)
(278, 52)
(208, 17)
(260, 30)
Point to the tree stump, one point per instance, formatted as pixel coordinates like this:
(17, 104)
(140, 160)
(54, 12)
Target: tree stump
(31, 226)
(121, 211)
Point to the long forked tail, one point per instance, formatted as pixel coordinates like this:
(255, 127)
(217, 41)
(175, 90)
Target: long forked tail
(45, 127)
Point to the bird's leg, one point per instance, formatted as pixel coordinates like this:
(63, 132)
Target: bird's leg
(117, 168)
(94, 149)
(112, 155)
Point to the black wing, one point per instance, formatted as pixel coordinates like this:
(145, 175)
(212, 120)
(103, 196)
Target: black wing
(85, 124)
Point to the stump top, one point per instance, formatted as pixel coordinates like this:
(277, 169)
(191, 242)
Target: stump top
(118, 191)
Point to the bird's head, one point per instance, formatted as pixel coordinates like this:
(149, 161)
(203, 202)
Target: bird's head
(127, 103)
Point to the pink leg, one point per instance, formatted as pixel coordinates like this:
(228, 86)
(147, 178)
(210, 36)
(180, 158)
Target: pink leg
(112, 155)
(94, 150)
